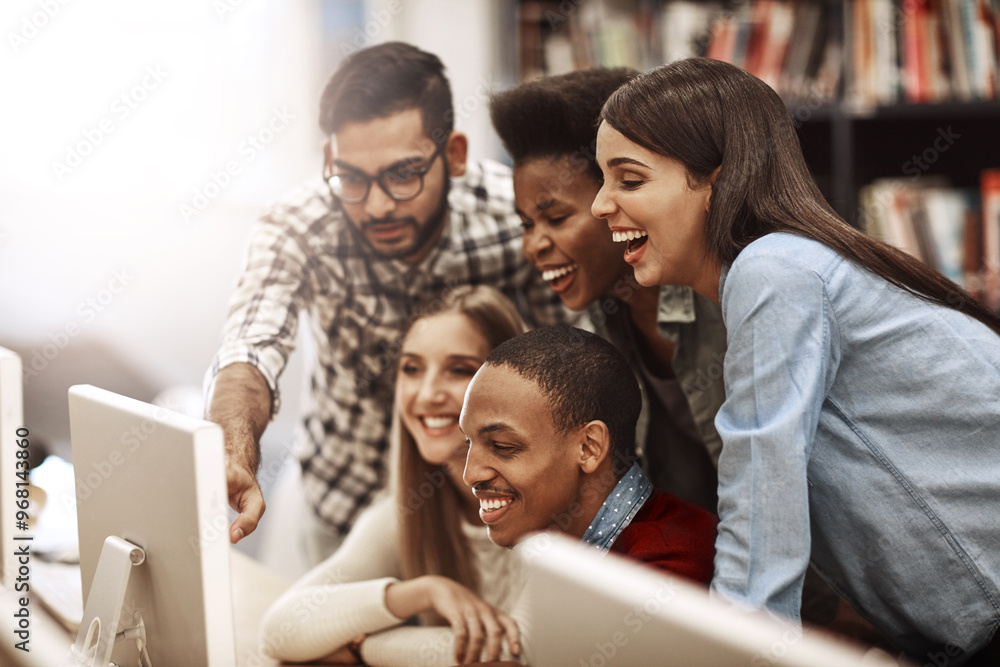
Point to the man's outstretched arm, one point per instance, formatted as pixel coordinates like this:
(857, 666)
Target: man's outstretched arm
(241, 404)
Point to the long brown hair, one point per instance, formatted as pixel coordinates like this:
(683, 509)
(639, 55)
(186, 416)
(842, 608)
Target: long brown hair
(428, 504)
(708, 114)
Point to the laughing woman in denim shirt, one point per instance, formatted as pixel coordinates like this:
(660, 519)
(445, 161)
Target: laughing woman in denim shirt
(861, 427)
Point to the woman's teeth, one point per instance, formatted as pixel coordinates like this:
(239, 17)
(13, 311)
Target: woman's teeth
(490, 504)
(439, 422)
(552, 274)
(619, 237)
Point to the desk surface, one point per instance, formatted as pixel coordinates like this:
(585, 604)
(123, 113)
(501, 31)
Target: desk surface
(254, 588)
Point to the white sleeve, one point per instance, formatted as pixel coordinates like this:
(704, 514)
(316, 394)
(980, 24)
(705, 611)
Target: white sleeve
(412, 645)
(342, 597)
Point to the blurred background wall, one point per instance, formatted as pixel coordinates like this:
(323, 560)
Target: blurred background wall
(140, 142)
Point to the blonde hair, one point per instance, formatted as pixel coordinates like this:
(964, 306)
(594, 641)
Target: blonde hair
(428, 505)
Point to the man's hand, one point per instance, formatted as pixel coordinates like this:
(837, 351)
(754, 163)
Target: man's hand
(244, 497)
(241, 405)
(479, 628)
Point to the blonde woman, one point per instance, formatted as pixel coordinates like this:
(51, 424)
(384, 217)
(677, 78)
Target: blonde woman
(421, 551)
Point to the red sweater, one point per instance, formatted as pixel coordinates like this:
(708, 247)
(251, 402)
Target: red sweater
(673, 535)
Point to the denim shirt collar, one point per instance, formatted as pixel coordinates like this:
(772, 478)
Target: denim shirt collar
(619, 508)
(722, 278)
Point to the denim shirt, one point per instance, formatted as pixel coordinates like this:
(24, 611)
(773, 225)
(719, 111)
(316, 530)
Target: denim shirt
(619, 508)
(862, 428)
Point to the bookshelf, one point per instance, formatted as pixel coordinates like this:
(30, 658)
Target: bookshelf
(878, 89)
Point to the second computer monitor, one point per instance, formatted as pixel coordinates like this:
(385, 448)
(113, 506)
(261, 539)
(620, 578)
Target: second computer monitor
(593, 610)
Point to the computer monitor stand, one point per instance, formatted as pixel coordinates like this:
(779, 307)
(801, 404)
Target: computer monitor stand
(102, 613)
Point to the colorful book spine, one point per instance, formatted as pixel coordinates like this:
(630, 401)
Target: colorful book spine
(990, 195)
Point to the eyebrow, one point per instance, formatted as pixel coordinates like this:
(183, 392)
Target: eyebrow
(495, 428)
(540, 206)
(465, 357)
(614, 162)
(398, 164)
(450, 357)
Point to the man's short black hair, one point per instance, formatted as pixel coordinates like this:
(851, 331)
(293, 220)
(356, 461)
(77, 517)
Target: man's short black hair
(584, 378)
(383, 80)
(556, 116)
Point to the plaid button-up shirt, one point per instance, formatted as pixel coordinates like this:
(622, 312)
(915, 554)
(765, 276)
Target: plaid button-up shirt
(305, 257)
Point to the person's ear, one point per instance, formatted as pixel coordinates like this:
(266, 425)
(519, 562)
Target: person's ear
(327, 159)
(710, 183)
(595, 445)
(457, 151)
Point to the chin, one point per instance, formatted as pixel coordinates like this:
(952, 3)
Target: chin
(650, 278)
(581, 302)
(436, 455)
(501, 540)
(576, 305)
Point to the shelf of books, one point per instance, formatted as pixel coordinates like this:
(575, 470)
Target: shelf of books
(861, 53)
(955, 230)
(895, 101)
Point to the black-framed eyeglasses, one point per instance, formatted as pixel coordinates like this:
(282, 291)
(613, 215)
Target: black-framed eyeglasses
(399, 182)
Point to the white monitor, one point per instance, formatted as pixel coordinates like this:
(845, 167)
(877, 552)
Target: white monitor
(156, 478)
(589, 610)
(12, 432)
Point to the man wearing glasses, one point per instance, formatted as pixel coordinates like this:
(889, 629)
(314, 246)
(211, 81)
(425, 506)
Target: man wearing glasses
(383, 234)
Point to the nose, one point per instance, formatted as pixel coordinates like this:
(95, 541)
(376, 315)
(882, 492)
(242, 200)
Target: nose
(602, 206)
(379, 204)
(535, 244)
(430, 391)
(475, 469)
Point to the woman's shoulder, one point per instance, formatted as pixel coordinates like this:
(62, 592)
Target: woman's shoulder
(781, 257)
(778, 266)
(785, 245)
